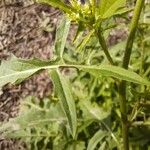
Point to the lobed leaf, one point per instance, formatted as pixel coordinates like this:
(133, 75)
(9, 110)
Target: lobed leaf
(33, 116)
(93, 111)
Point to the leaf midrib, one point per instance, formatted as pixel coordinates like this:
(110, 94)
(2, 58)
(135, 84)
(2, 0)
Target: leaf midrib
(86, 67)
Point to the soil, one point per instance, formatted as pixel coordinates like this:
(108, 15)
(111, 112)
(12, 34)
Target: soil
(23, 33)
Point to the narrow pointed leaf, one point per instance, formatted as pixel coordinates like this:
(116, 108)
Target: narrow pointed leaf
(103, 146)
(85, 40)
(98, 136)
(116, 72)
(109, 7)
(79, 31)
(123, 10)
(18, 69)
(63, 91)
(61, 36)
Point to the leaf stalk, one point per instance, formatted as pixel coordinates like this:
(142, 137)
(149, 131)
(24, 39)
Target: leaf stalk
(104, 46)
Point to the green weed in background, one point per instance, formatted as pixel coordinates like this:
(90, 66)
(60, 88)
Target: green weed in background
(103, 104)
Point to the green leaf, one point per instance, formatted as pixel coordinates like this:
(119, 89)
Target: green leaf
(93, 111)
(85, 40)
(103, 146)
(64, 94)
(16, 70)
(116, 72)
(78, 145)
(33, 116)
(98, 136)
(79, 32)
(61, 36)
(58, 4)
(123, 10)
(109, 7)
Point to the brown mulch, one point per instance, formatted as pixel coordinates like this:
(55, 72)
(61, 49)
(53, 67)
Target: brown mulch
(24, 32)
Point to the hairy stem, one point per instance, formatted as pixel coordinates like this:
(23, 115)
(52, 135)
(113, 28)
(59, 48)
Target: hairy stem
(126, 59)
(103, 44)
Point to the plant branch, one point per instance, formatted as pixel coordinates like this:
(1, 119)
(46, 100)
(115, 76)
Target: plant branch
(126, 59)
(124, 118)
(103, 44)
(130, 40)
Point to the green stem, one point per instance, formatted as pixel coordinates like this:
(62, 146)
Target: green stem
(124, 117)
(130, 40)
(103, 44)
(126, 59)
